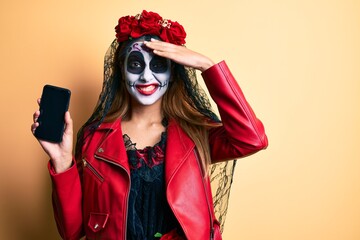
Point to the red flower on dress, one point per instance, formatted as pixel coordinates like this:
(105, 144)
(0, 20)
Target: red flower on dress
(172, 235)
(149, 23)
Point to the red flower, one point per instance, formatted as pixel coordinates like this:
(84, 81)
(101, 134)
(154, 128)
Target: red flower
(175, 33)
(124, 28)
(172, 235)
(150, 23)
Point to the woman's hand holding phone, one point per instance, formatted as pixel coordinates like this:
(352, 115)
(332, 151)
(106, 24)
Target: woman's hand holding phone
(60, 153)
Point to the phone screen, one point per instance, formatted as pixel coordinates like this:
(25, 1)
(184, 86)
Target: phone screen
(53, 106)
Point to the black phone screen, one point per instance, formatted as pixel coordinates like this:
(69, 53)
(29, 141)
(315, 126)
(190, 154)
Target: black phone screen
(53, 106)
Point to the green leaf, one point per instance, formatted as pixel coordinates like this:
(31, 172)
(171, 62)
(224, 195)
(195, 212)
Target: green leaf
(158, 235)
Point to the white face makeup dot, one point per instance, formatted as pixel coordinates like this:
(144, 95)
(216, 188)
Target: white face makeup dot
(147, 75)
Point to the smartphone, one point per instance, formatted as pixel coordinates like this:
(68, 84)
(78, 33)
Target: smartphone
(53, 106)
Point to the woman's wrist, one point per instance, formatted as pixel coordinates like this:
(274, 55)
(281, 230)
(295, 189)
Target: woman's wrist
(62, 166)
(206, 64)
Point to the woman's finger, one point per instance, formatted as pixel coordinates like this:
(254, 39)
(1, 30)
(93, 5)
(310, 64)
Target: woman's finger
(36, 116)
(33, 127)
(161, 46)
(69, 124)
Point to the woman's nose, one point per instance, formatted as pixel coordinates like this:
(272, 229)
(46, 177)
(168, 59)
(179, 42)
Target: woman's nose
(147, 75)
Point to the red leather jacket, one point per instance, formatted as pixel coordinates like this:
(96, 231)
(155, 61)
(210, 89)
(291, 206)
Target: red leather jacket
(96, 204)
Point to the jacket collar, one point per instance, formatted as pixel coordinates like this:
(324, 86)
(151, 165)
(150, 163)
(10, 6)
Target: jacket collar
(178, 147)
(112, 148)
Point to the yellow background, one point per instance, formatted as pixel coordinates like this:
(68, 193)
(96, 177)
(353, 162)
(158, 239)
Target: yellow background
(298, 63)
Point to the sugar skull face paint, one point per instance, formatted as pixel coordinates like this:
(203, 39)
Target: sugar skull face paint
(147, 75)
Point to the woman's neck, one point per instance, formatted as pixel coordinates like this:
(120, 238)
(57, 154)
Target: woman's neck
(146, 114)
(144, 124)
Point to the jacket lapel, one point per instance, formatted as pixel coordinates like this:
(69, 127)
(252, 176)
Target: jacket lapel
(111, 147)
(179, 146)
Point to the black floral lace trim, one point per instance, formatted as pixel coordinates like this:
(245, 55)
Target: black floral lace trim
(149, 156)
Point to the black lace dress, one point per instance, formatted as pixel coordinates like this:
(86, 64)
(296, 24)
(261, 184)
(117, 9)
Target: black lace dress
(148, 210)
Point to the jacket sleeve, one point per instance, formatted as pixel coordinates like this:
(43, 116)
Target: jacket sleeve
(242, 133)
(67, 202)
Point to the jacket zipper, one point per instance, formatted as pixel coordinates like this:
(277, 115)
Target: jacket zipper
(87, 165)
(127, 195)
(207, 199)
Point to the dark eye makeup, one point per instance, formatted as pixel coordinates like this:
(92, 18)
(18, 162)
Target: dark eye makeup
(159, 64)
(135, 62)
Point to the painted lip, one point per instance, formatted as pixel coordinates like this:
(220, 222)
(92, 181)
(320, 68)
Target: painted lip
(147, 89)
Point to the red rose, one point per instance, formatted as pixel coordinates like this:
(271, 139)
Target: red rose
(148, 25)
(150, 20)
(172, 235)
(174, 34)
(124, 28)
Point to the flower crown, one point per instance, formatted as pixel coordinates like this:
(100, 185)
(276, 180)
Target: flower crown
(150, 23)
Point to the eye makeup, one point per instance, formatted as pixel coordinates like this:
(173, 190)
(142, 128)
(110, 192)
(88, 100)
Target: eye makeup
(135, 62)
(159, 64)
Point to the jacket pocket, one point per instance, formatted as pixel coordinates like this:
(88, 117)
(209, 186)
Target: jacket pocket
(97, 221)
(92, 170)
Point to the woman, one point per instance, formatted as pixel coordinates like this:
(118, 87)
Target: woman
(142, 158)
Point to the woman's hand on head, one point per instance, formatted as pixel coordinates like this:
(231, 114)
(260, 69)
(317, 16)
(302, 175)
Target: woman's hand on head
(59, 153)
(180, 54)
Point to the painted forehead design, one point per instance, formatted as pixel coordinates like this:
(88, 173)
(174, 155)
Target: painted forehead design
(138, 46)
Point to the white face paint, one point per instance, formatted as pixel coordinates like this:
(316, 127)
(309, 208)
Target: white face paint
(147, 75)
